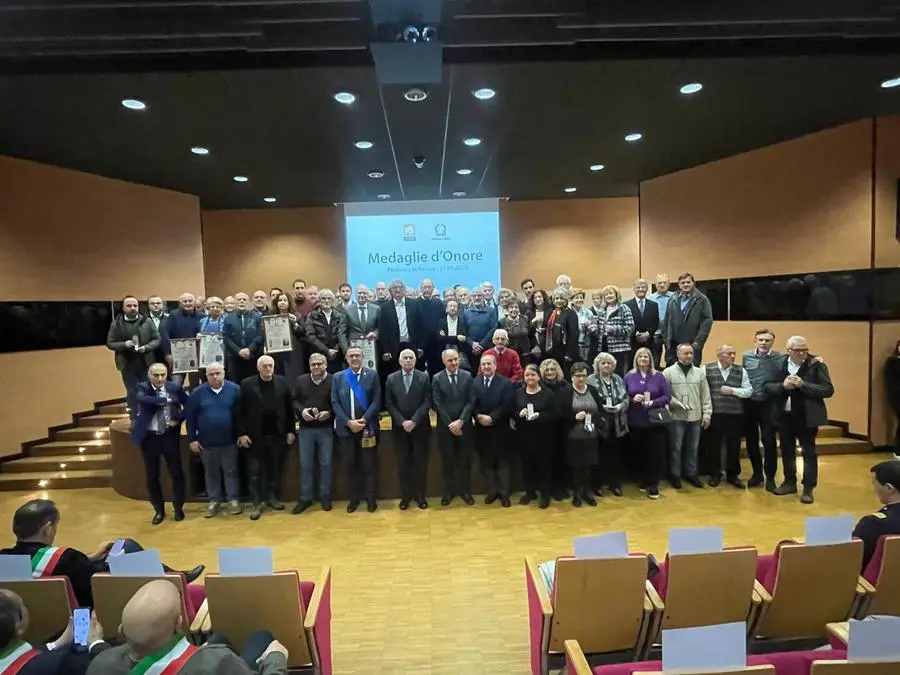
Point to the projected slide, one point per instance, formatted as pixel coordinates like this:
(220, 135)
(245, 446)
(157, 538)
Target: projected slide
(451, 243)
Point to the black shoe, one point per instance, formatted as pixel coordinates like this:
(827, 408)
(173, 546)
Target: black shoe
(468, 499)
(527, 498)
(770, 485)
(576, 502)
(445, 501)
(158, 517)
(179, 514)
(589, 499)
(505, 503)
(653, 493)
(713, 481)
(736, 483)
(786, 489)
(543, 502)
(675, 482)
(693, 480)
(404, 504)
(256, 512)
(353, 505)
(490, 499)
(558, 496)
(192, 575)
(326, 505)
(755, 481)
(617, 492)
(422, 504)
(598, 492)
(372, 506)
(807, 496)
(302, 506)
(275, 505)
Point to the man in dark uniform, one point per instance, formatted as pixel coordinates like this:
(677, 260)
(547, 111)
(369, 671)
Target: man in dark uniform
(493, 399)
(35, 524)
(886, 479)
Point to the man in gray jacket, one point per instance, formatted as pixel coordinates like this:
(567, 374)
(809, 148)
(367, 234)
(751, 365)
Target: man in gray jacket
(688, 320)
(134, 339)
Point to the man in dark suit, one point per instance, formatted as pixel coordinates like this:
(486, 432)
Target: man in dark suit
(401, 328)
(408, 394)
(156, 312)
(689, 320)
(243, 337)
(431, 310)
(265, 429)
(322, 330)
(493, 399)
(156, 430)
(451, 392)
(359, 320)
(646, 322)
(356, 404)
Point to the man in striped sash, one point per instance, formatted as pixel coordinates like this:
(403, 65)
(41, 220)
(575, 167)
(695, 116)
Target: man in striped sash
(156, 645)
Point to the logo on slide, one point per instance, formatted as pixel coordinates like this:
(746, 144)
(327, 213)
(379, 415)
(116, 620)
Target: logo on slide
(440, 231)
(409, 232)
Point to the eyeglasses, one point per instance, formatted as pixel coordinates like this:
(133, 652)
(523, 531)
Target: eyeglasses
(574, 375)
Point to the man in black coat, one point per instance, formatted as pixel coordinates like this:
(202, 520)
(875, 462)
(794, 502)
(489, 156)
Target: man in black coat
(451, 393)
(265, 429)
(401, 328)
(431, 311)
(408, 394)
(493, 399)
(646, 322)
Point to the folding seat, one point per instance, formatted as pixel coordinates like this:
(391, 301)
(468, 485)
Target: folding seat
(883, 576)
(49, 600)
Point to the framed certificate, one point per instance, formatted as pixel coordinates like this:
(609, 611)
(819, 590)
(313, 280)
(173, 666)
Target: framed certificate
(368, 352)
(212, 350)
(277, 330)
(184, 355)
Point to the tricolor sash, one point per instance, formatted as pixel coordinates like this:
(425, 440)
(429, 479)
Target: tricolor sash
(368, 439)
(167, 661)
(44, 561)
(12, 661)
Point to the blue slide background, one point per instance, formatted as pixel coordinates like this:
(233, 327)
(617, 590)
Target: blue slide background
(449, 248)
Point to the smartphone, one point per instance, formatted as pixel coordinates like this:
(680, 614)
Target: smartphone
(117, 548)
(81, 618)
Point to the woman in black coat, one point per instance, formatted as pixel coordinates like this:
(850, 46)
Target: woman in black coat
(580, 407)
(562, 332)
(535, 415)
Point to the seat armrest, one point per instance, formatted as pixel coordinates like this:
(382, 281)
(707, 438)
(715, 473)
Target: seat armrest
(315, 602)
(864, 587)
(652, 601)
(840, 631)
(576, 664)
(761, 591)
(200, 618)
(540, 588)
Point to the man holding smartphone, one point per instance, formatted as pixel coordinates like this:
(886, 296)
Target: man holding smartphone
(312, 406)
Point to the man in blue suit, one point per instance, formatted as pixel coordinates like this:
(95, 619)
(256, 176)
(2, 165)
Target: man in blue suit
(356, 402)
(156, 430)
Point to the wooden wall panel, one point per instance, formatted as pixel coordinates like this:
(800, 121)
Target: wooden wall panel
(887, 172)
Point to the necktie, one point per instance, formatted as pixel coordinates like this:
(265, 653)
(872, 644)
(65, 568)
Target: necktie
(487, 382)
(641, 306)
(362, 318)
(453, 379)
(407, 377)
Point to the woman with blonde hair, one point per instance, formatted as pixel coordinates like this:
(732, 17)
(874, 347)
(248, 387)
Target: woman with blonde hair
(616, 328)
(552, 379)
(612, 423)
(587, 324)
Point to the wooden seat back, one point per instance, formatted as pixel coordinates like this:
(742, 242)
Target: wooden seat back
(241, 606)
(48, 605)
(599, 603)
(112, 593)
(814, 585)
(886, 599)
(707, 589)
(855, 668)
(750, 670)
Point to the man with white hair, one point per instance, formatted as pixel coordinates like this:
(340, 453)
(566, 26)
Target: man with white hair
(508, 363)
(431, 311)
(183, 323)
(487, 289)
(801, 385)
(729, 387)
(564, 281)
(451, 391)
(243, 339)
(323, 327)
(265, 430)
(493, 399)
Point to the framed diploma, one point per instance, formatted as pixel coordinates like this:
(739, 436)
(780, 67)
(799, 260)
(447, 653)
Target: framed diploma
(212, 350)
(368, 352)
(277, 330)
(184, 355)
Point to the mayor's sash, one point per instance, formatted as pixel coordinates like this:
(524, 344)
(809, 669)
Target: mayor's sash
(44, 561)
(15, 658)
(167, 661)
(368, 434)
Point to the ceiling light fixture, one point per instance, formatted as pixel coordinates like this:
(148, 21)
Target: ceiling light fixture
(691, 88)
(200, 150)
(415, 95)
(134, 104)
(631, 138)
(570, 189)
(597, 167)
(484, 94)
(270, 200)
(459, 193)
(891, 83)
(472, 142)
(345, 97)
(241, 179)
(384, 196)
(363, 145)
(376, 174)
(464, 172)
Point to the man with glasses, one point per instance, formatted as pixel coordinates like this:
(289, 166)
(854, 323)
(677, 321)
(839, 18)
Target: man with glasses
(800, 385)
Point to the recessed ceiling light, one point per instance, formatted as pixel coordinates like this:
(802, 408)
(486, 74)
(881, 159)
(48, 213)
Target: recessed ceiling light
(464, 172)
(691, 88)
(376, 174)
(241, 179)
(597, 167)
(415, 95)
(484, 94)
(363, 145)
(345, 97)
(200, 150)
(134, 104)
(891, 83)
(571, 189)
(472, 142)
(384, 196)
(270, 200)
(631, 138)
(459, 193)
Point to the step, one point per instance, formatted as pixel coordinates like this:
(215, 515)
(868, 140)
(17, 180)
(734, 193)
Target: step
(55, 480)
(102, 420)
(830, 431)
(80, 434)
(70, 447)
(831, 445)
(112, 408)
(58, 463)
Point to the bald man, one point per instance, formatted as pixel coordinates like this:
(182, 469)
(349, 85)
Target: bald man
(152, 628)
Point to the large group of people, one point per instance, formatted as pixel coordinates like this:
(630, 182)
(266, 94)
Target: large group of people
(579, 396)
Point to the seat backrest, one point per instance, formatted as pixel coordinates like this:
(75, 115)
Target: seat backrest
(708, 589)
(887, 583)
(752, 670)
(112, 593)
(48, 604)
(241, 606)
(814, 585)
(854, 668)
(599, 603)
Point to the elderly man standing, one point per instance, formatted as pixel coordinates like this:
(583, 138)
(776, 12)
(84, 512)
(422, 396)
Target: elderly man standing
(729, 387)
(183, 323)
(359, 320)
(691, 409)
(312, 407)
(493, 399)
(323, 330)
(451, 391)
(801, 385)
(408, 394)
(157, 432)
(431, 311)
(507, 360)
(689, 320)
(243, 339)
(210, 414)
(265, 429)
(661, 297)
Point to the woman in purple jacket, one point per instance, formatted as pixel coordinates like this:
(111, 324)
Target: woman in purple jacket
(647, 389)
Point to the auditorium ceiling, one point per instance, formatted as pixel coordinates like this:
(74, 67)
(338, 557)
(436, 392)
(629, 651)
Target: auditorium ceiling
(253, 83)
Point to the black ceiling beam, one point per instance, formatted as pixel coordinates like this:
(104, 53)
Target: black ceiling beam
(87, 5)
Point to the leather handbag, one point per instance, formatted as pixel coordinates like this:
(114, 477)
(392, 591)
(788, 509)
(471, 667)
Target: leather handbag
(659, 416)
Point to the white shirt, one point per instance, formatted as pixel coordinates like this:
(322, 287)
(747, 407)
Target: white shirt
(452, 322)
(745, 390)
(216, 391)
(400, 308)
(793, 369)
(327, 316)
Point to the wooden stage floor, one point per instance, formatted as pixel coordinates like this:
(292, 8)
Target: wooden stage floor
(441, 591)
